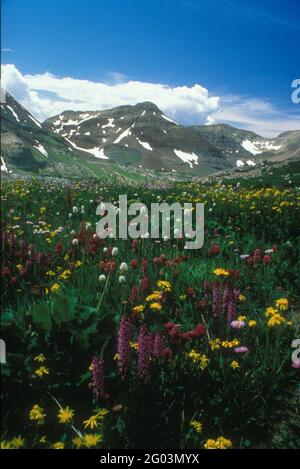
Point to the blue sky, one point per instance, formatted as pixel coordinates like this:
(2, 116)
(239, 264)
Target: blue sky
(246, 53)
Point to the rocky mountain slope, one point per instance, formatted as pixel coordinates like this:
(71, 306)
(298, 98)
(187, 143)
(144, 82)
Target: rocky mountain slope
(129, 141)
(28, 148)
(139, 136)
(245, 148)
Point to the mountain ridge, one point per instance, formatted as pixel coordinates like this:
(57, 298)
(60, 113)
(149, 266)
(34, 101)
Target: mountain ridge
(138, 138)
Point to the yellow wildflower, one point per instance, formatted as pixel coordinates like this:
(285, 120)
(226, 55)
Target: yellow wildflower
(134, 345)
(78, 442)
(271, 311)
(215, 344)
(103, 412)
(18, 442)
(65, 415)
(155, 296)
(138, 309)
(55, 287)
(58, 445)
(164, 285)
(41, 371)
(90, 440)
(276, 320)
(50, 273)
(196, 425)
(197, 358)
(65, 274)
(282, 304)
(155, 306)
(6, 445)
(221, 272)
(252, 323)
(37, 414)
(219, 443)
(92, 422)
(242, 298)
(40, 358)
(234, 365)
(230, 344)
(241, 318)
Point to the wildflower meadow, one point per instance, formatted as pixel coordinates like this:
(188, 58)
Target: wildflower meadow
(142, 343)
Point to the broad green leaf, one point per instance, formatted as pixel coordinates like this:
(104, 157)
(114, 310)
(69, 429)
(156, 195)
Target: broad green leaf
(63, 308)
(41, 317)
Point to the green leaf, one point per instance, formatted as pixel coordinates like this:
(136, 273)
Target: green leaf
(63, 307)
(41, 317)
(7, 317)
(87, 311)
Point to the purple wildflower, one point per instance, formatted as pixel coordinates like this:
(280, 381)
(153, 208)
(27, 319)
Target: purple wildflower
(216, 306)
(97, 383)
(145, 349)
(241, 349)
(231, 313)
(226, 298)
(158, 345)
(125, 330)
(237, 324)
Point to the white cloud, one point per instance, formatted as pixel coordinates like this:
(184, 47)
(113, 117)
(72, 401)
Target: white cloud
(210, 120)
(46, 95)
(260, 116)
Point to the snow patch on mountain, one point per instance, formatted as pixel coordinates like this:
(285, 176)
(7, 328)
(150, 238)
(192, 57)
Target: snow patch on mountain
(240, 163)
(109, 124)
(146, 145)
(41, 149)
(96, 152)
(123, 135)
(35, 121)
(189, 158)
(3, 166)
(13, 113)
(168, 119)
(258, 147)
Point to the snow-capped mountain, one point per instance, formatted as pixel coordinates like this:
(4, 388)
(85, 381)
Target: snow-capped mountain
(134, 139)
(245, 148)
(27, 148)
(140, 136)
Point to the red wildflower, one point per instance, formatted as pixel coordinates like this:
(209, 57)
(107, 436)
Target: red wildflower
(134, 263)
(266, 259)
(214, 249)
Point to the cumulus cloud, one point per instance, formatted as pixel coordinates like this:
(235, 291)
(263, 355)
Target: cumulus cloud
(46, 95)
(260, 116)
